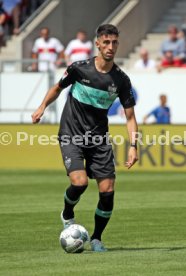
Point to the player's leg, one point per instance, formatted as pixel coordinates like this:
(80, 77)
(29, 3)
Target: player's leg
(79, 183)
(73, 159)
(100, 166)
(105, 206)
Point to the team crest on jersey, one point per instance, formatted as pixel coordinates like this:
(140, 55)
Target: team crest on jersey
(112, 89)
(68, 162)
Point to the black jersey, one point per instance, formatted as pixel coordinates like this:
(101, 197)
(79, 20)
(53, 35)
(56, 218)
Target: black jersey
(90, 97)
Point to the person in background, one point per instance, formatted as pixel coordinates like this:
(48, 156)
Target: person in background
(34, 4)
(2, 22)
(48, 50)
(182, 34)
(144, 62)
(13, 11)
(174, 46)
(79, 48)
(161, 113)
(169, 61)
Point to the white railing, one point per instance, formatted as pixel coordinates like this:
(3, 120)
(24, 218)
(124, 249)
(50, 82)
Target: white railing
(21, 92)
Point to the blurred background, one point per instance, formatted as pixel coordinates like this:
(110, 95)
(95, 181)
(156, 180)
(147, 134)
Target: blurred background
(39, 39)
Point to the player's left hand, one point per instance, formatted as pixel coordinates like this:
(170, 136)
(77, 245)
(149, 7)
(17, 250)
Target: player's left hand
(132, 157)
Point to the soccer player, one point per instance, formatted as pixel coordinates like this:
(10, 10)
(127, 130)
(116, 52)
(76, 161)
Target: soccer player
(95, 85)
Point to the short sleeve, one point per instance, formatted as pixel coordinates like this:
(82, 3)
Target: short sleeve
(153, 112)
(35, 47)
(68, 77)
(68, 49)
(126, 95)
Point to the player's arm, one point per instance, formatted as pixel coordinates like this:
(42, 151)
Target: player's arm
(54, 92)
(60, 53)
(61, 57)
(50, 97)
(132, 132)
(67, 60)
(68, 52)
(145, 118)
(34, 64)
(153, 112)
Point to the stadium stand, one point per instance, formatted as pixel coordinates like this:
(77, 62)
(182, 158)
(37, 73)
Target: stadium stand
(17, 12)
(175, 14)
(124, 14)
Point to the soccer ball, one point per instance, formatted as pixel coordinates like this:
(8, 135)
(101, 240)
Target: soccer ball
(74, 238)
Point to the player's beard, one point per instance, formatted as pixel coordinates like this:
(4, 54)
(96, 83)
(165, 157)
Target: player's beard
(108, 59)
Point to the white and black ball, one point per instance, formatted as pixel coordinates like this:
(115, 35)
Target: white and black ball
(74, 238)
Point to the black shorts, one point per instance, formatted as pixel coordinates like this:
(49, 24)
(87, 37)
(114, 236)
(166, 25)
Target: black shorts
(97, 161)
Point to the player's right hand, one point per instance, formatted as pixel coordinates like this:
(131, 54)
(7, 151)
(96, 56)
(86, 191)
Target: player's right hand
(36, 116)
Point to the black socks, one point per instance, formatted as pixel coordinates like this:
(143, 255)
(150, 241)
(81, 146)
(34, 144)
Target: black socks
(103, 213)
(71, 197)
(103, 210)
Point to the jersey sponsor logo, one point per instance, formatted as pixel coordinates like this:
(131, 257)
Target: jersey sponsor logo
(92, 96)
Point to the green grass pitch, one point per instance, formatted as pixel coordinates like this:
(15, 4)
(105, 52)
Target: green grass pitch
(146, 235)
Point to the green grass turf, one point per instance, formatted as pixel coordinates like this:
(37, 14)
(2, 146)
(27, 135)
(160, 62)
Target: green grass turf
(146, 234)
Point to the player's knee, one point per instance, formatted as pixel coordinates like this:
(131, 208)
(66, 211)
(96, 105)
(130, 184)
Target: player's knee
(106, 201)
(106, 186)
(79, 179)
